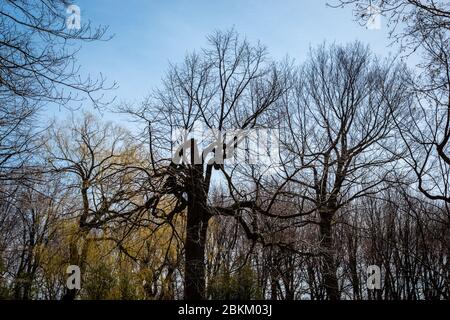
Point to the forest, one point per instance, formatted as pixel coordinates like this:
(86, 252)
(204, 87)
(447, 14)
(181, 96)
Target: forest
(345, 166)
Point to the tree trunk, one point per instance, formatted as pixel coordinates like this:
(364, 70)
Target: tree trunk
(196, 229)
(75, 258)
(329, 260)
(195, 254)
(353, 263)
(273, 285)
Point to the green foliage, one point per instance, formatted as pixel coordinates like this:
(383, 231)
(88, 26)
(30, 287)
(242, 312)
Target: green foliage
(4, 290)
(127, 287)
(99, 282)
(241, 285)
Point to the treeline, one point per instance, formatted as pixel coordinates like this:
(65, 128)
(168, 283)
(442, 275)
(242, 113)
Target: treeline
(402, 233)
(360, 175)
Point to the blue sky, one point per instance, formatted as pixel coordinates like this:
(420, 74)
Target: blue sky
(150, 33)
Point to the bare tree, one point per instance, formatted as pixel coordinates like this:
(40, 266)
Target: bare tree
(97, 162)
(229, 86)
(38, 67)
(37, 53)
(340, 129)
(423, 27)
